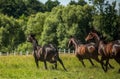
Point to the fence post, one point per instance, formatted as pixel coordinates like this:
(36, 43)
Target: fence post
(27, 53)
(59, 50)
(73, 51)
(69, 51)
(7, 53)
(64, 51)
(14, 53)
(21, 53)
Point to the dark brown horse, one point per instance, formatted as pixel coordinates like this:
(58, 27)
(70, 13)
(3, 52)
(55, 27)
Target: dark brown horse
(106, 50)
(84, 51)
(46, 53)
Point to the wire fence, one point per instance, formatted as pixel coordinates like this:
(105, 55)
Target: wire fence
(61, 51)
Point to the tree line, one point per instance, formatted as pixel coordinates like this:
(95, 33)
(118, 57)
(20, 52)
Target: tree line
(55, 23)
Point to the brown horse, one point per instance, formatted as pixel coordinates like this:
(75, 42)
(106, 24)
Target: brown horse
(106, 50)
(46, 53)
(84, 51)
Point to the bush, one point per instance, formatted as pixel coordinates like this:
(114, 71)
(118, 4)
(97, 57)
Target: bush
(24, 47)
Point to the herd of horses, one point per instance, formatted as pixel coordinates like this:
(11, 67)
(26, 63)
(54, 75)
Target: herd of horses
(97, 50)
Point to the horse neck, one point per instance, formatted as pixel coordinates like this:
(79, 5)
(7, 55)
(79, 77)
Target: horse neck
(97, 40)
(35, 44)
(75, 43)
(102, 46)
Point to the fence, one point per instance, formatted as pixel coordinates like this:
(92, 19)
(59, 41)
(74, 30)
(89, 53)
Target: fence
(61, 51)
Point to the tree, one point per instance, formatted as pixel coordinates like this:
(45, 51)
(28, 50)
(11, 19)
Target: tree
(13, 8)
(49, 30)
(73, 20)
(17, 8)
(106, 22)
(34, 6)
(11, 33)
(80, 2)
(51, 4)
(35, 23)
(73, 2)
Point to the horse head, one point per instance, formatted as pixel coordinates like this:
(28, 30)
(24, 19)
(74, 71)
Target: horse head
(72, 41)
(31, 37)
(90, 36)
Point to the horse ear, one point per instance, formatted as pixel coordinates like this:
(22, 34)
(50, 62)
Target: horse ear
(32, 35)
(71, 36)
(94, 31)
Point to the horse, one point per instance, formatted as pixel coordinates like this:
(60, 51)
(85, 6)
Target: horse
(110, 50)
(45, 53)
(84, 51)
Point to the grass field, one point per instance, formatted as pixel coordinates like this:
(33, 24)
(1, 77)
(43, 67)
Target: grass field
(23, 67)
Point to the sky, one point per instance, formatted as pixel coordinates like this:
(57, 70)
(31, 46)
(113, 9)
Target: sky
(65, 2)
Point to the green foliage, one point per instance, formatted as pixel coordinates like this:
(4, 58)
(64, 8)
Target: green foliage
(79, 2)
(49, 30)
(56, 27)
(17, 8)
(35, 23)
(23, 47)
(13, 8)
(106, 22)
(10, 33)
(54, 23)
(51, 4)
(34, 6)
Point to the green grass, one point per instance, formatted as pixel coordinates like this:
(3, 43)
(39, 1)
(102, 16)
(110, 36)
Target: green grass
(23, 67)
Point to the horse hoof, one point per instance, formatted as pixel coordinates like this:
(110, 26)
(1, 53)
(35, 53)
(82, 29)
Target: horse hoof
(105, 71)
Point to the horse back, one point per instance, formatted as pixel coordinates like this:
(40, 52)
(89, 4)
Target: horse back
(86, 49)
(112, 48)
(108, 48)
(50, 52)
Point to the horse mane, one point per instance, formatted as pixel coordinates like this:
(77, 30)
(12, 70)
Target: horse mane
(76, 39)
(102, 38)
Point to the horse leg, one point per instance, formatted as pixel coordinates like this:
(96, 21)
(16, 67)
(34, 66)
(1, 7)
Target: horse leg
(45, 64)
(80, 59)
(36, 61)
(91, 62)
(60, 61)
(110, 65)
(106, 65)
(82, 62)
(55, 65)
(102, 63)
(97, 59)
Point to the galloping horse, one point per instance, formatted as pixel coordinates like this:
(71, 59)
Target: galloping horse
(106, 50)
(46, 53)
(84, 51)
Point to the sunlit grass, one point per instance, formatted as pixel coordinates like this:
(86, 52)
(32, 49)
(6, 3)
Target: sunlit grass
(23, 67)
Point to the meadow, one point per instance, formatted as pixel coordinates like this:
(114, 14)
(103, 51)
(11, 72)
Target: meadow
(23, 67)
